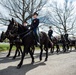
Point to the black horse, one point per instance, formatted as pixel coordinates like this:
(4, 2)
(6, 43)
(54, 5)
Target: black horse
(28, 40)
(64, 41)
(72, 44)
(66, 36)
(13, 42)
(55, 42)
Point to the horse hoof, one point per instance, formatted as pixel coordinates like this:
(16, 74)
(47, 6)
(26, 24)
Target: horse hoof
(18, 54)
(51, 52)
(13, 57)
(57, 52)
(45, 60)
(40, 59)
(32, 62)
(18, 67)
(7, 56)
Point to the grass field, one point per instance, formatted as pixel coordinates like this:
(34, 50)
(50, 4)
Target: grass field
(5, 47)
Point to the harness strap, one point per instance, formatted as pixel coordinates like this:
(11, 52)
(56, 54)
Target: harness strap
(24, 32)
(27, 34)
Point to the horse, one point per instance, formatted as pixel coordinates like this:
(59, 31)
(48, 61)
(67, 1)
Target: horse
(13, 41)
(55, 43)
(65, 42)
(72, 44)
(28, 40)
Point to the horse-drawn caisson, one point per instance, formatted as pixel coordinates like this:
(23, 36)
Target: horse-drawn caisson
(29, 37)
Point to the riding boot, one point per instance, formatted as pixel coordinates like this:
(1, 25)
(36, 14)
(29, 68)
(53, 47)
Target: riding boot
(37, 42)
(36, 34)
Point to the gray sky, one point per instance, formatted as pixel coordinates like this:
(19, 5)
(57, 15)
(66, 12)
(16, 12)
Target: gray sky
(2, 10)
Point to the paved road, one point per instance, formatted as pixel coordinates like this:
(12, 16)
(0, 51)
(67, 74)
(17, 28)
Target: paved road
(62, 64)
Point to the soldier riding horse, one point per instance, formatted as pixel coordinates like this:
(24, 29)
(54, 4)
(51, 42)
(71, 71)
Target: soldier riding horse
(28, 40)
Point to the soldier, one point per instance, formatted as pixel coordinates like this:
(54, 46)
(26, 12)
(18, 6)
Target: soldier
(50, 32)
(34, 27)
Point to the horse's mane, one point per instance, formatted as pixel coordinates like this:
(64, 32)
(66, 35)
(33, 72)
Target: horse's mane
(22, 27)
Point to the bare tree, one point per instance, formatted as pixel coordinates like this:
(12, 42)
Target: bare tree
(63, 16)
(21, 9)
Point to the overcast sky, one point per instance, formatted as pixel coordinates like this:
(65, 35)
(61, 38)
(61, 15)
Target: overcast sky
(3, 28)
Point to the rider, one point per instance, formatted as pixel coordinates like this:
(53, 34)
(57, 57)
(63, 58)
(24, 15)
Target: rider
(50, 32)
(34, 27)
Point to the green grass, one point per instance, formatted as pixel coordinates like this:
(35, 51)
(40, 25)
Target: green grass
(5, 47)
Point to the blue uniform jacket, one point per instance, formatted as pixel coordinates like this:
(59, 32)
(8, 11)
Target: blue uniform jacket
(50, 32)
(35, 23)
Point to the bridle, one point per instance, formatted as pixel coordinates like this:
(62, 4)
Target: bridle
(15, 27)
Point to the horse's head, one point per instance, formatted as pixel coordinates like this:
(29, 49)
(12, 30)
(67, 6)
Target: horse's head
(12, 27)
(3, 36)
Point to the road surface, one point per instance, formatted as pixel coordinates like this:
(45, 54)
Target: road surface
(57, 64)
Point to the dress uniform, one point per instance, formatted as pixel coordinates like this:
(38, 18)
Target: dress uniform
(34, 27)
(50, 32)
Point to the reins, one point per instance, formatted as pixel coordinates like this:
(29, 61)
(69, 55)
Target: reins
(25, 33)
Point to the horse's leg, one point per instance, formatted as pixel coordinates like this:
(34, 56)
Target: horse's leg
(22, 58)
(57, 48)
(31, 54)
(17, 50)
(33, 49)
(64, 49)
(20, 50)
(46, 53)
(75, 45)
(70, 48)
(41, 52)
(52, 49)
(67, 47)
(11, 45)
